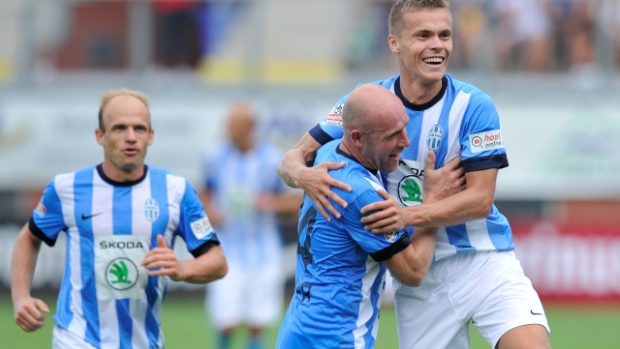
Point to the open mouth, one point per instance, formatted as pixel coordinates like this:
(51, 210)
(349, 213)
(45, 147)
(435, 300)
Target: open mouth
(434, 60)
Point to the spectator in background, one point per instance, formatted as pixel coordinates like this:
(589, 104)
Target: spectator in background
(523, 35)
(177, 43)
(243, 195)
(120, 218)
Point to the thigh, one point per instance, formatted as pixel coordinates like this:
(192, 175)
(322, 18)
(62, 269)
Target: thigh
(427, 316)
(510, 302)
(265, 294)
(225, 301)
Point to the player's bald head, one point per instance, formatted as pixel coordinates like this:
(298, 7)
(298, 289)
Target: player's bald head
(369, 107)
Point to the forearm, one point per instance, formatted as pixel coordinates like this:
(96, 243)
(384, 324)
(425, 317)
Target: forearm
(292, 164)
(206, 268)
(24, 260)
(411, 265)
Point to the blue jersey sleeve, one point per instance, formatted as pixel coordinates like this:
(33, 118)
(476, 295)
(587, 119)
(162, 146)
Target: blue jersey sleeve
(194, 226)
(331, 127)
(380, 246)
(482, 145)
(47, 219)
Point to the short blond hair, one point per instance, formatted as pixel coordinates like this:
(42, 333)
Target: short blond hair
(110, 94)
(398, 10)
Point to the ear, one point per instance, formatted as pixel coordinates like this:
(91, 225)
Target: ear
(356, 137)
(151, 137)
(99, 136)
(393, 44)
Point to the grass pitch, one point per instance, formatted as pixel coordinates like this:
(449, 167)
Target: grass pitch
(186, 325)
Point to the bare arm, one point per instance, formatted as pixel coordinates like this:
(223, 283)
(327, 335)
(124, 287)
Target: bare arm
(315, 181)
(410, 265)
(29, 312)
(162, 261)
(474, 202)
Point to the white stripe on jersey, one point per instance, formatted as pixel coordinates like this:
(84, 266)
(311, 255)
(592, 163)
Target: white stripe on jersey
(479, 241)
(365, 310)
(103, 224)
(444, 247)
(63, 184)
(430, 119)
(461, 101)
(140, 225)
(176, 188)
(138, 334)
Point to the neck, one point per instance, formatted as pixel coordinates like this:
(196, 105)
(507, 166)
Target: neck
(118, 175)
(419, 92)
(355, 153)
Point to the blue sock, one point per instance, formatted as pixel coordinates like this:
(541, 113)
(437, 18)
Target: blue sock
(223, 341)
(256, 342)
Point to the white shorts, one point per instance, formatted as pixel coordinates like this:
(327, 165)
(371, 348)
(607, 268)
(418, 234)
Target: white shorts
(251, 296)
(63, 339)
(489, 289)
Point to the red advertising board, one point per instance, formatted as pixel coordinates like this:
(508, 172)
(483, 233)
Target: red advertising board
(570, 263)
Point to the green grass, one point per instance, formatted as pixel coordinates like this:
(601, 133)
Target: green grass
(187, 326)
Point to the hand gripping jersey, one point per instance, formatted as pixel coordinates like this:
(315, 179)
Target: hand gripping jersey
(106, 296)
(461, 120)
(339, 277)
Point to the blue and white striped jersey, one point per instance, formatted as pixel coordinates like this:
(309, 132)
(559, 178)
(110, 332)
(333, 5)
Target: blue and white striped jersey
(461, 120)
(106, 296)
(249, 236)
(339, 277)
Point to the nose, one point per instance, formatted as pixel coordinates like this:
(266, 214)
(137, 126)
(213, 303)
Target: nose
(130, 135)
(404, 139)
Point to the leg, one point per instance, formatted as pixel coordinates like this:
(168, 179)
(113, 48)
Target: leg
(256, 338)
(526, 336)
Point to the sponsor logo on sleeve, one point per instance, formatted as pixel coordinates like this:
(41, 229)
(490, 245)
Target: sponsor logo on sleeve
(201, 227)
(390, 237)
(484, 141)
(335, 116)
(41, 209)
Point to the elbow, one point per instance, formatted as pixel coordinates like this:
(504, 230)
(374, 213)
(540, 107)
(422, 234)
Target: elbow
(483, 209)
(413, 279)
(222, 270)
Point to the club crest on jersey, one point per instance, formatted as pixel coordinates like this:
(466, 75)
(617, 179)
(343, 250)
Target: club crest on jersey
(121, 273)
(390, 237)
(151, 209)
(433, 138)
(410, 190)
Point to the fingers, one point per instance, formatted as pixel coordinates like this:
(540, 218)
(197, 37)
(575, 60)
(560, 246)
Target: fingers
(429, 163)
(161, 241)
(30, 316)
(332, 182)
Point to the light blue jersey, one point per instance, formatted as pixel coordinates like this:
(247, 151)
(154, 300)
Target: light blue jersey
(106, 297)
(461, 120)
(236, 180)
(339, 278)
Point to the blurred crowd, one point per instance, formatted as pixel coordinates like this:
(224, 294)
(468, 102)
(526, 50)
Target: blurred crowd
(518, 35)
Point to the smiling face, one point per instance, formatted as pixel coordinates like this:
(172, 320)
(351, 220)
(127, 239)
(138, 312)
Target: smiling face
(125, 136)
(423, 44)
(382, 146)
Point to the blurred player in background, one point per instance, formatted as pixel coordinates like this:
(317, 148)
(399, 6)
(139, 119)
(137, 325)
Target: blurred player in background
(120, 219)
(340, 273)
(243, 195)
(475, 275)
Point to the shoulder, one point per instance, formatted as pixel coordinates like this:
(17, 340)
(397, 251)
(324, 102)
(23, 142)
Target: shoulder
(476, 96)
